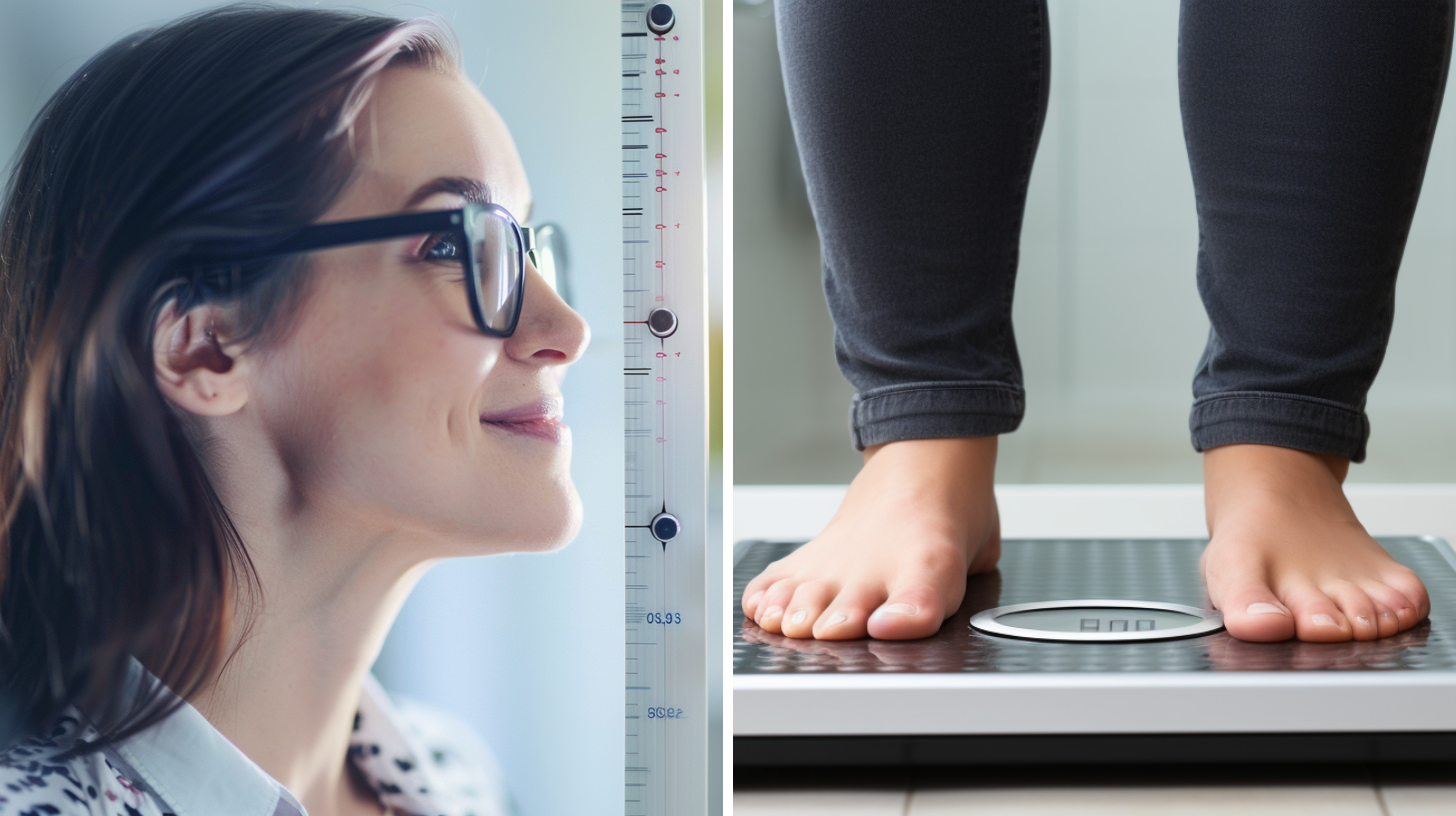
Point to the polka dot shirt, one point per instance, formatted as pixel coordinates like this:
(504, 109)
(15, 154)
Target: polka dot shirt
(418, 762)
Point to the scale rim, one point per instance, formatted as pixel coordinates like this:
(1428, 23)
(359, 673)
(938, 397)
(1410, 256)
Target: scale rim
(1210, 621)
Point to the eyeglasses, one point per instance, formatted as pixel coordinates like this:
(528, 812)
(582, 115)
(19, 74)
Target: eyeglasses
(490, 246)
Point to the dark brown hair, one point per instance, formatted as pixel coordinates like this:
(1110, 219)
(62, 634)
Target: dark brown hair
(187, 140)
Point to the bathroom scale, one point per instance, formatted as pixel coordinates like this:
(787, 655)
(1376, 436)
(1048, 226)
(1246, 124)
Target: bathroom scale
(1096, 650)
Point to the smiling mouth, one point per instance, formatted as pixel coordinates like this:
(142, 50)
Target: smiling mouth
(540, 419)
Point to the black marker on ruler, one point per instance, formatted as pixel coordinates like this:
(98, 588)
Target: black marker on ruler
(664, 369)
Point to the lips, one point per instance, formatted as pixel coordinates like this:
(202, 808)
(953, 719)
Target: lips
(540, 419)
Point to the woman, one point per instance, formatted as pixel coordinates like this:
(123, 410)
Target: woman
(234, 439)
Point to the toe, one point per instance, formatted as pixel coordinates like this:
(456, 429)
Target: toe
(1385, 619)
(1251, 609)
(1389, 604)
(1253, 613)
(751, 601)
(1317, 617)
(847, 618)
(803, 610)
(771, 608)
(753, 593)
(906, 614)
(1409, 585)
(1357, 607)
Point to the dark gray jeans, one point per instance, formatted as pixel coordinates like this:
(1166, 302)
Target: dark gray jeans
(1307, 123)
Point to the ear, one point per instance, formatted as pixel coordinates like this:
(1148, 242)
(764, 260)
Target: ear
(196, 369)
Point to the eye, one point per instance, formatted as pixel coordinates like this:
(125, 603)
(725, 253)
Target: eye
(443, 247)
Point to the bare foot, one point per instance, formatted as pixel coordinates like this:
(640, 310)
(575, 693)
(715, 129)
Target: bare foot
(1287, 557)
(892, 563)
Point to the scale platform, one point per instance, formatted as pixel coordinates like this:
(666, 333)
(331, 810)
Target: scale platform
(966, 696)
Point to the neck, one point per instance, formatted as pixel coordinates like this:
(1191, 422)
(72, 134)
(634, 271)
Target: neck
(331, 589)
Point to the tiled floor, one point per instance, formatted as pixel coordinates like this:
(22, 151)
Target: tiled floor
(1332, 790)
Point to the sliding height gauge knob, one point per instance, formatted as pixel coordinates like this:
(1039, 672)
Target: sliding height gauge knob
(661, 322)
(660, 19)
(665, 527)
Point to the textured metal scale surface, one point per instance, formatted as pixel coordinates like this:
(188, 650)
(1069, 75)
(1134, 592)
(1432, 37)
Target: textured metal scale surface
(1138, 569)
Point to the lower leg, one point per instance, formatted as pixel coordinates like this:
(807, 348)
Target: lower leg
(1308, 126)
(917, 168)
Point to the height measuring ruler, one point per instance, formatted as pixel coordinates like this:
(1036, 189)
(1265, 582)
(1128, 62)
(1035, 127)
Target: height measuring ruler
(665, 361)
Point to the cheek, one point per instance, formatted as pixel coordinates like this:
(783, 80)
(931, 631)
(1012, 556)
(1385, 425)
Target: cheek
(373, 396)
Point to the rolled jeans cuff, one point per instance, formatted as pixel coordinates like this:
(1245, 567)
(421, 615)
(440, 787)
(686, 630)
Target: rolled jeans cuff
(1286, 420)
(931, 410)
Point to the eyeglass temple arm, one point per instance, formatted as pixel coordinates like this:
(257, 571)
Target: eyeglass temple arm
(528, 239)
(364, 230)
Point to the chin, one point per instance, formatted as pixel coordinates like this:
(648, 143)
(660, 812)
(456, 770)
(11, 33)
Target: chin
(568, 523)
(551, 524)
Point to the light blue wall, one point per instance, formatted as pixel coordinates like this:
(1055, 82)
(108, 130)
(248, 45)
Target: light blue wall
(526, 648)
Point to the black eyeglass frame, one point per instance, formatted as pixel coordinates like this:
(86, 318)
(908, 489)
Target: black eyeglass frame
(380, 228)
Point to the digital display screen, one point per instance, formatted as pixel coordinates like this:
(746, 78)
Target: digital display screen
(1098, 619)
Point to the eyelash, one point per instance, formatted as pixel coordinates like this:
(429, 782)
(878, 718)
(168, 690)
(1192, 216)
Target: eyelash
(434, 241)
(430, 243)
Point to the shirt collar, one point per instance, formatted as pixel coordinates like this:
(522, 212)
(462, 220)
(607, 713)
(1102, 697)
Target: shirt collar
(197, 771)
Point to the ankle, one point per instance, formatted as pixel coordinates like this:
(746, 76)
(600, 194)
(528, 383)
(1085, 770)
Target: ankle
(1240, 474)
(949, 480)
(951, 459)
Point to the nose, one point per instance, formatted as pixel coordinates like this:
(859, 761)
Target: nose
(549, 332)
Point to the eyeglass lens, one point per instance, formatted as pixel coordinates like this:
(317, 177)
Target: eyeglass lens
(497, 258)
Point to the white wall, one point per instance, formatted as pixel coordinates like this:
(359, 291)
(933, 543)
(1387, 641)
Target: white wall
(528, 649)
(1107, 313)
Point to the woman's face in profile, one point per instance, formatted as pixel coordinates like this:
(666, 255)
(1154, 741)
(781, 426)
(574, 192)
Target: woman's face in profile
(390, 409)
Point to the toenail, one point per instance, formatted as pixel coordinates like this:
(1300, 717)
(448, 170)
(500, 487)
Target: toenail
(755, 598)
(835, 620)
(1385, 615)
(772, 611)
(1324, 620)
(800, 615)
(1362, 619)
(1264, 609)
(898, 609)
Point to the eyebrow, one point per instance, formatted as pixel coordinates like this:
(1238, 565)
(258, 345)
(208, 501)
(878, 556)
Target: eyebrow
(472, 190)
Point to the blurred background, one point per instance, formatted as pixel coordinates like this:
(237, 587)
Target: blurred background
(526, 648)
(1107, 315)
